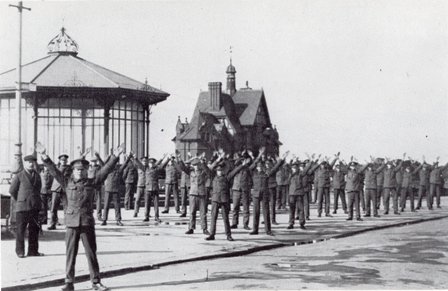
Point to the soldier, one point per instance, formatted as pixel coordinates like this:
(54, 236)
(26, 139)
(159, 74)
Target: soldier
(242, 183)
(112, 185)
(390, 185)
(296, 193)
(272, 189)
(221, 197)
(140, 184)
(78, 213)
(352, 187)
(338, 184)
(94, 167)
(25, 190)
(57, 192)
(152, 172)
(370, 176)
(307, 182)
(435, 182)
(379, 183)
(322, 172)
(171, 186)
(423, 172)
(260, 195)
(198, 176)
(406, 187)
(282, 186)
(130, 177)
(45, 194)
(184, 187)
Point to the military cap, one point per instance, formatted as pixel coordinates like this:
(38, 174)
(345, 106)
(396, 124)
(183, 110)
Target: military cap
(353, 163)
(30, 158)
(79, 163)
(63, 156)
(295, 164)
(144, 158)
(195, 161)
(152, 160)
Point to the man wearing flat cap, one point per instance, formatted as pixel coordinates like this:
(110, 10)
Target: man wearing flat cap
(80, 192)
(25, 190)
(58, 192)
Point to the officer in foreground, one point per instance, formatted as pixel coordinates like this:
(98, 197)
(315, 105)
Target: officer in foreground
(80, 192)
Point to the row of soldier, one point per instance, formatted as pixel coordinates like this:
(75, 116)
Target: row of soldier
(379, 179)
(262, 179)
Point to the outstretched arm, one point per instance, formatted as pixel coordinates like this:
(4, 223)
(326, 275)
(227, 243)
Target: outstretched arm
(52, 169)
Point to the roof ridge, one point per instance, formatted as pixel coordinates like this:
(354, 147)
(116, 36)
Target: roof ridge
(81, 61)
(44, 69)
(10, 70)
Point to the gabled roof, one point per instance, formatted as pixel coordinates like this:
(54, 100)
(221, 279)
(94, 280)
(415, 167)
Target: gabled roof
(69, 70)
(247, 102)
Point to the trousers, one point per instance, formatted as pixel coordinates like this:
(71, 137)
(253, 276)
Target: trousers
(405, 193)
(296, 201)
(171, 188)
(115, 197)
(281, 196)
(435, 191)
(72, 237)
(183, 199)
(24, 220)
(262, 201)
(198, 202)
(272, 202)
(139, 194)
(371, 197)
(238, 198)
(323, 193)
(339, 193)
(423, 191)
(152, 197)
(225, 210)
(387, 194)
(129, 196)
(353, 202)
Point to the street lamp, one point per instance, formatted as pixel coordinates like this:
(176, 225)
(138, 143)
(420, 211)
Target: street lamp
(18, 153)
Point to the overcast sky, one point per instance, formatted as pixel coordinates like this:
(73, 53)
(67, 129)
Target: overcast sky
(360, 77)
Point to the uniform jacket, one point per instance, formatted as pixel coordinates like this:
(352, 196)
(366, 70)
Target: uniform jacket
(390, 180)
(435, 176)
(56, 187)
(260, 179)
(221, 185)
(380, 180)
(338, 181)
(296, 182)
(170, 174)
(92, 172)
(370, 177)
(423, 175)
(149, 176)
(282, 175)
(322, 176)
(130, 174)
(25, 189)
(47, 181)
(406, 180)
(242, 180)
(354, 179)
(80, 194)
(114, 181)
(198, 178)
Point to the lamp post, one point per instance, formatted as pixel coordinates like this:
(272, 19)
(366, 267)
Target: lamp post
(18, 152)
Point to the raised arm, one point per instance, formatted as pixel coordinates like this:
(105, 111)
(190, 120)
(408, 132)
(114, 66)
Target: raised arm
(236, 170)
(125, 164)
(334, 160)
(112, 160)
(100, 160)
(138, 164)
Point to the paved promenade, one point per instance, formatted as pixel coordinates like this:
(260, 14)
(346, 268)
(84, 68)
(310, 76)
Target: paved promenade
(141, 245)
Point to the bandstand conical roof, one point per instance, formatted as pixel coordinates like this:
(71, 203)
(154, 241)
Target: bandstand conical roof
(63, 68)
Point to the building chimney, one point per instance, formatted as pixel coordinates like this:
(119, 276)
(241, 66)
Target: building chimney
(215, 90)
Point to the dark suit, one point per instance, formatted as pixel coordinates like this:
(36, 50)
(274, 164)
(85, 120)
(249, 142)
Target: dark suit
(79, 217)
(112, 185)
(25, 190)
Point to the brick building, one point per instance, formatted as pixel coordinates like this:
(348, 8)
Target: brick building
(232, 119)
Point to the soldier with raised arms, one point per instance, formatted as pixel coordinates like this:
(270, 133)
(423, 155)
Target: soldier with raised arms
(80, 192)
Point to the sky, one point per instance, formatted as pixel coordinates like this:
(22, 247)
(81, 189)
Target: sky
(360, 77)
